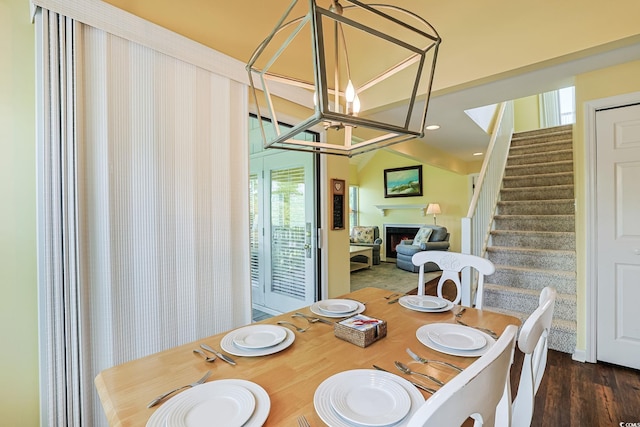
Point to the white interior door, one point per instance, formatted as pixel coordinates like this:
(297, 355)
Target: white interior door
(618, 235)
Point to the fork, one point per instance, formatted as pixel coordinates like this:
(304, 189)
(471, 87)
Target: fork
(425, 361)
(307, 318)
(158, 399)
(302, 421)
(485, 330)
(298, 329)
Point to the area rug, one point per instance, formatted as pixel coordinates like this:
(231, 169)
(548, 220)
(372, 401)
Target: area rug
(387, 276)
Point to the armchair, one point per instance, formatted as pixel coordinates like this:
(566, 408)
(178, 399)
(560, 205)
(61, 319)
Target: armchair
(367, 236)
(428, 238)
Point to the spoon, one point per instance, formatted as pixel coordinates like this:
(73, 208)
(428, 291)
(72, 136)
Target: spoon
(206, 358)
(405, 369)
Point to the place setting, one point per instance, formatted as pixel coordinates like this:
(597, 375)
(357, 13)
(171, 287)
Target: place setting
(366, 397)
(257, 340)
(230, 402)
(455, 339)
(425, 303)
(337, 308)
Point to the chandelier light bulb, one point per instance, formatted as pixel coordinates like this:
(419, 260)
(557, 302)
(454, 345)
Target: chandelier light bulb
(356, 105)
(350, 92)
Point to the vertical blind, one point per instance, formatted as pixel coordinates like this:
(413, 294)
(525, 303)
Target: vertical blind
(158, 179)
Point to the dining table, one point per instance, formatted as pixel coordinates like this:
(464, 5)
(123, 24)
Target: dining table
(292, 375)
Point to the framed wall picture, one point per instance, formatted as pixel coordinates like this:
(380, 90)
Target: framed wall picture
(403, 182)
(338, 204)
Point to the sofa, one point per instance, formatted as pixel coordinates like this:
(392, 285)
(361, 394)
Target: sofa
(428, 238)
(366, 236)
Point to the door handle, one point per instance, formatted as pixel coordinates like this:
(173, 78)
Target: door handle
(307, 240)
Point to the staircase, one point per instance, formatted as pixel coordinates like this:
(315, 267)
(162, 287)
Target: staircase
(533, 243)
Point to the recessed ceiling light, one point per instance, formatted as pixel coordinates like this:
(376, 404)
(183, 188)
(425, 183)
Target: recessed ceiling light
(478, 154)
(433, 127)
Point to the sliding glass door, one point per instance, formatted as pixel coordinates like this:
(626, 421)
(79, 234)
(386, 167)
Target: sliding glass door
(283, 229)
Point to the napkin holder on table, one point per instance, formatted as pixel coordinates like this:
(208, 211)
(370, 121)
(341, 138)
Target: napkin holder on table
(360, 330)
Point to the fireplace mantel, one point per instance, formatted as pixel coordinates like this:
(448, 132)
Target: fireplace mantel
(385, 208)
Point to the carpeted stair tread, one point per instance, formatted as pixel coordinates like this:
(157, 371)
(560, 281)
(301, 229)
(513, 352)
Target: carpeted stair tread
(545, 167)
(535, 222)
(533, 278)
(561, 260)
(537, 193)
(526, 300)
(537, 207)
(526, 159)
(548, 146)
(556, 240)
(538, 180)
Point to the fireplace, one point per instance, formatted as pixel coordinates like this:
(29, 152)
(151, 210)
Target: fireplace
(395, 233)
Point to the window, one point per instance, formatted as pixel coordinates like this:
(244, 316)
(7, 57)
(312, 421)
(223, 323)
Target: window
(567, 105)
(353, 206)
(557, 107)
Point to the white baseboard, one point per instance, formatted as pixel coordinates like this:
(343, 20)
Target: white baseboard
(579, 355)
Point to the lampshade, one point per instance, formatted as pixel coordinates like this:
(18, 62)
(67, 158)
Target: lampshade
(433, 208)
(361, 72)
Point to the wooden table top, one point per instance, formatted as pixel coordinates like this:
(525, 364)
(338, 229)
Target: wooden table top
(291, 376)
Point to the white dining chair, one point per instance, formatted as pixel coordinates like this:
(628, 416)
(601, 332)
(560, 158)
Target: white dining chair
(475, 392)
(532, 341)
(451, 264)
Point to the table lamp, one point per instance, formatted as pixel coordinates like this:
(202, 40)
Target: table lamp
(433, 208)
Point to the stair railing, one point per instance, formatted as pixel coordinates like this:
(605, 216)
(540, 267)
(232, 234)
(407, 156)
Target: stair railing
(476, 226)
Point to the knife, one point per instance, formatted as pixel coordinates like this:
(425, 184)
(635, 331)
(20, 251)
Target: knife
(391, 301)
(220, 355)
(319, 319)
(420, 386)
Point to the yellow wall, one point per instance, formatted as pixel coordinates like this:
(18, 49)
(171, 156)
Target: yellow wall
(592, 86)
(526, 114)
(336, 246)
(449, 189)
(19, 403)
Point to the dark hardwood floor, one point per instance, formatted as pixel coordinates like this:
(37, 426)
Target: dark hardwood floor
(583, 394)
(574, 393)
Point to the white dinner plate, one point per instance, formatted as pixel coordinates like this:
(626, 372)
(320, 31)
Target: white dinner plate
(337, 306)
(228, 404)
(426, 302)
(423, 336)
(457, 337)
(370, 400)
(259, 336)
(228, 345)
(315, 309)
(403, 302)
(322, 396)
(260, 413)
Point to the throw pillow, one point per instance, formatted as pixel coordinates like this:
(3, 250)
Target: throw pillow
(422, 236)
(362, 235)
(439, 234)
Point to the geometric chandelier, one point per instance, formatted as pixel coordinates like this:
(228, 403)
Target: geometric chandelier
(360, 74)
